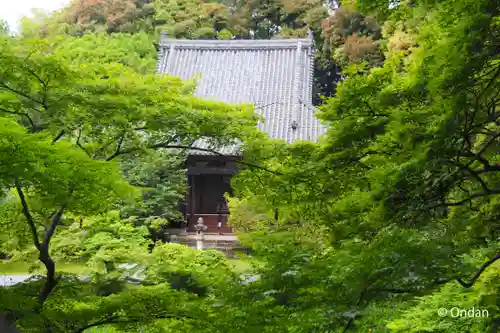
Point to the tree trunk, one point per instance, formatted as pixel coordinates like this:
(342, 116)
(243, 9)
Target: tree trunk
(50, 282)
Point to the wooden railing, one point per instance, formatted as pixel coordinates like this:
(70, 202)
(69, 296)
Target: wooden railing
(210, 220)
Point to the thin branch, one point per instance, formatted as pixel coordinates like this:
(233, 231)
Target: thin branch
(17, 92)
(476, 276)
(59, 136)
(266, 105)
(489, 168)
(102, 148)
(394, 291)
(490, 83)
(259, 167)
(118, 148)
(21, 114)
(165, 146)
(473, 196)
(360, 300)
(105, 321)
(478, 178)
(169, 146)
(28, 216)
(117, 320)
(44, 84)
(32, 72)
(475, 157)
(489, 143)
(56, 219)
(43, 248)
(480, 271)
(141, 185)
(80, 145)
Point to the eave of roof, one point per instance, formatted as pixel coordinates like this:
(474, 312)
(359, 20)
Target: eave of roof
(236, 44)
(275, 75)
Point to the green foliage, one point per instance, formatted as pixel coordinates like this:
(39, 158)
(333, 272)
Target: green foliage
(393, 215)
(191, 19)
(128, 16)
(102, 242)
(188, 269)
(482, 297)
(67, 125)
(52, 171)
(404, 186)
(162, 178)
(135, 51)
(4, 28)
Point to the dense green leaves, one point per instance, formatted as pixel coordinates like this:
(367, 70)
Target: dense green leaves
(80, 139)
(405, 182)
(390, 217)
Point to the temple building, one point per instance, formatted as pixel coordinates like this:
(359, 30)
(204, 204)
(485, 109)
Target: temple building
(275, 75)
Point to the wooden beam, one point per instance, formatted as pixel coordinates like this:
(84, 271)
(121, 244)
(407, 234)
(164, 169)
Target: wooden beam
(197, 170)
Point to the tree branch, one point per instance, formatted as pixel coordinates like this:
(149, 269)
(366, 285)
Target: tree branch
(80, 145)
(266, 105)
(20, 93)
(43, 248)
(105, 321)
(117, 320)
(32, 72)
(118, 148)
(475, 157)
(259, 167)
(476, 176)
(489, 143)
(21, 114)
(56, 219)
(473, 196)
(51, 281)
(44, 84)
(394, 291)
(28, 216)
(476, 276)
(59, 136)
(489, 168)
(169, 146)
(162, 145)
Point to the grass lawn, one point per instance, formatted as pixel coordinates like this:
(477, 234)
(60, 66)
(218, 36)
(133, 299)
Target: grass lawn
(20, 268)
(240, 266)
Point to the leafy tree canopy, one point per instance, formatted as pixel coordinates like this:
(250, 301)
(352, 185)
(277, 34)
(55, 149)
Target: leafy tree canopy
(65, 125)
(404, 187)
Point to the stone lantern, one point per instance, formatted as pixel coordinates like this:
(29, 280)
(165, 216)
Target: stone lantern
(200, 233)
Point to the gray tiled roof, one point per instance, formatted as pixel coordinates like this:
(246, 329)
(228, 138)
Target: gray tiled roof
(276, 75)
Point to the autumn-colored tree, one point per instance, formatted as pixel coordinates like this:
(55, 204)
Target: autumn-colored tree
(109, 15)
(351, 37)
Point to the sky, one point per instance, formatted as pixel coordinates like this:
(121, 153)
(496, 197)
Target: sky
(12, 10)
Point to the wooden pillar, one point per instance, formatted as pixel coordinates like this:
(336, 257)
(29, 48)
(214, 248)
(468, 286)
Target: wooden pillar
(200, 189)
(193, 199)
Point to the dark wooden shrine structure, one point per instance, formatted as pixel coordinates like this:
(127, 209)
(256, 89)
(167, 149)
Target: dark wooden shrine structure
(276, 75)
